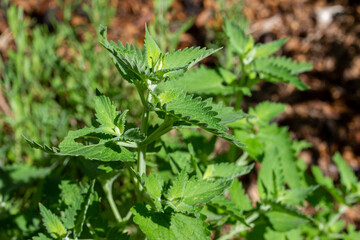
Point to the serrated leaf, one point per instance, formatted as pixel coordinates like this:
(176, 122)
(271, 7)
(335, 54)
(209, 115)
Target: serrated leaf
(236, 36)
(84, 207)
(267, 111)
(41, 237)
(201, 81)
(227, 114)
(238, 196)
(279, 141)
(187, 57)
(267, 49)
(133, 135)
(154, 186)
(226, 170)
(43, 148)
(133, 66)
(297, 196)
(347, 176)
(20, 173)
(186, 195)
(71, 195)
(294, 234)
(284, 218)
(227, 75)
(167, 226)
(276, 73)
(194, 111)
(152, 49)
(52, 222)
(105, 111)
(298, 146)
(327, 183)
(293, 66)
(104, 150)
(229, 207)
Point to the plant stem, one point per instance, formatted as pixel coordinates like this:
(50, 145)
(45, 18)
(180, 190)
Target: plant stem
(107, 187)
(144, 95)
(241, 83)
(165, 127)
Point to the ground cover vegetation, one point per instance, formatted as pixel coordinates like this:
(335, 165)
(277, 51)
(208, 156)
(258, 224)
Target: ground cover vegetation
(163, 154)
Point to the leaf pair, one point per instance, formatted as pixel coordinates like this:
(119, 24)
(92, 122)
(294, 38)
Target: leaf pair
(154, 65)
(105, 142)
(74, 216)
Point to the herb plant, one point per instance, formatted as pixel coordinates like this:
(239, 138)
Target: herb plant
(172, 182)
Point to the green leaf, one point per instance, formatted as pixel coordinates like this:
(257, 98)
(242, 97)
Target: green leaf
(105, 111)
(186, 195)
(104, 150)
(275, 73)
(194, 111)
(20, 173)
(279, 140)
(347, 176)
(71, 195)
(133, 135)
(297, 196)
(298, 146)
(41, 237)
(236, 36)
(267, 111)
(270, 178)
(294, 234)
(167, 226)
(52, 223)
(84, 207)
(226, 114)
(133, 66)
(200, 81)
(267, 49)
(152, 49)
(284, 218)
(154, 186)
(238, 196)
(226, 170)
(293, 66)
(228, 207)
(327, 183)
(43, 148)
(227, 75)
(187, 57)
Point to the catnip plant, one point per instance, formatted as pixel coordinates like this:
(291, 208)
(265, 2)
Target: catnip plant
(172, 183)
(113, 145)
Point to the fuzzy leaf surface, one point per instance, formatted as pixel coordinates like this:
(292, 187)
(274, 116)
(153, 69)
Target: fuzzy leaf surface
(239, 197)
(52, 222)
(267, 49)
(226, 170)
(186, 195)
(104, 150)
(167, 226)
(347, 176)
(194, 111)
(277, 73)
(293, 66)
(187, 57)
(154, 186)
(201, 81)
(284, 218)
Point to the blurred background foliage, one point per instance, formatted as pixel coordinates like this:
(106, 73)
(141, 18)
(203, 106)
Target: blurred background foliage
(51, 64)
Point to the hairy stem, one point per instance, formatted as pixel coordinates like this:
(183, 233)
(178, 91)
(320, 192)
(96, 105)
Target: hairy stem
(144, 96)
(107, 187)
